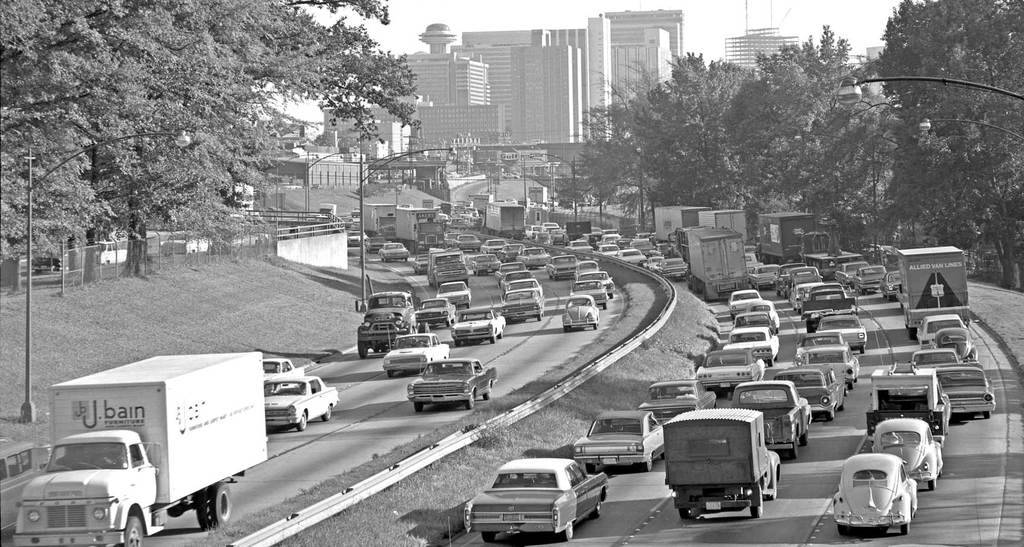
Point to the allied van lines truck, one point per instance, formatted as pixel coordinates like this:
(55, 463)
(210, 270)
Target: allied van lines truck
(136, 444)
(934, 282)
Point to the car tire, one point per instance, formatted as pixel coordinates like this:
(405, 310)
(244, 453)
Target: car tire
(471, 402)
(843, 529)
(364, 350)
(756, 511)
(931, 485)
(904, 529)
(862, 349)
(604, 306)
(794, 452)
(802, 441)
(831, 415)
(303, 421)
(540, 317)
(986, 414)
(327, 415)
(487, 394)
(390, 373)
(596, 512)
(566, 329)
(842, 405)
(567, 534)
(686, 514)
(590, 468)
(418, 407)
(647, 465)
(489, 537)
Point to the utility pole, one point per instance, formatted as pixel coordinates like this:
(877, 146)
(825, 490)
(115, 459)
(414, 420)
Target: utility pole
(575, 195)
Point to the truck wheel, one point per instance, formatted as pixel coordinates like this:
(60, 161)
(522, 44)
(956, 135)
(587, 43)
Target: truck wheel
(489, 537)
(301, 426)
(794, 452)
(390, 373)
(803, 438)
(487, 394)
(418, 407)
(540, 317)
(931, 485)
(567, 534)
(133, 532)
(494, 339)
(904, 529)
(220, 500)
(756, 511)
(912, 333)
(471, 402)
(565, 329)
(327, 415)
(686, 514)
(843, 529)
(591, 468)
(986, 414)
(831, 415)
(363, 350)
(596, 513)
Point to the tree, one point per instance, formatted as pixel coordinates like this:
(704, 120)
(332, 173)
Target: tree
(964, 180)
(79, 73)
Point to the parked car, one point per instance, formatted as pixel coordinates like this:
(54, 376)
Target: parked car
(535, 257)
(393, 251)
(484, 264)
(452, 380)
(671, 398)
(436, 311)
(874, 492)
(621, 437)
(292, 402)
(818, 384)
(736, 299)
(412, 352)
(910, 440)
(580, 312)
(849, 324)
(457, 292)
(537, 495)
(478, 325)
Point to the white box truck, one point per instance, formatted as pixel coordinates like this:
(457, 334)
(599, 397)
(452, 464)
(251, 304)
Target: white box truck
(732, 219)
(136, 444)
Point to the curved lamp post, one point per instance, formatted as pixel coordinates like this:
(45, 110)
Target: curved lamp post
(926, 126)
(849, 90)
(28, 408)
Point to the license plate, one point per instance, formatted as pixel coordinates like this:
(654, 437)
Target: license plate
(609, 460)
(713, 505)
(723, 385)
(511, 517)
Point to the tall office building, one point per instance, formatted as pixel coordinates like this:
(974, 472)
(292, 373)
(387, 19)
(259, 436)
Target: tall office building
(639, 67)
(446, 77)
(599, 61)
(627, 27)
(743, 50)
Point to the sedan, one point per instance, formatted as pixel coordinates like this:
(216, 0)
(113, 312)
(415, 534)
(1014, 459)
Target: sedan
(457, 292)
(911, 440)
(585, 266)
(469, 243)
(580, 313)
(593, 288)
(736, 300)
(579, 246)
(839, 357)
(819, 385)
(674, 268)
(608, 249)
(603, 277)
(621, 437)
(393, 251)
(632, 256)
(849, 324)
(670, 398)
(874, 492)
(493, 246)
(436, 311)
(534, 257)
(513, 276)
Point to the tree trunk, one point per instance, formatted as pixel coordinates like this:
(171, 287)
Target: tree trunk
(1006, 248)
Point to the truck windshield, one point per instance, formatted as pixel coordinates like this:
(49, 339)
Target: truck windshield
(72, 457)
(406, 342)
(675, 262)
(526, 480)
(387, 302)
(874, 270)
(616, 425)
(442, 260)
(843, 323)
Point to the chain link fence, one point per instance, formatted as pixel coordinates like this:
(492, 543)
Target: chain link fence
(80, 266)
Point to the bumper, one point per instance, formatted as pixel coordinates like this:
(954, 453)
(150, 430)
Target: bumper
(433, 319)
(395, 257)
(276, 421)
(380, 338)
(971, 408)
(514, 527)
(516, 315)
(869, 286)
(560, 274)
(405, 367)
(884, 521)
(99, 537)
(714, 505)
(578, 323)
(611, 459)
(471, 336)
(439, 397)
(719, 384)
(923, 476)
(783, 445)
(822, 409)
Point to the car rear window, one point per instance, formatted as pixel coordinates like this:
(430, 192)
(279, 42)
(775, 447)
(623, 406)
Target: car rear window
(526, 480)
(758, 396)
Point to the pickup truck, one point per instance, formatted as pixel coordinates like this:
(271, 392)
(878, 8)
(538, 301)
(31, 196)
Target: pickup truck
(412, 352)
(822, 302)
(866, 279)
(716, 460)
(452, 380)
(722, 370)
(389, 314)
(477, 325)
(561, 267)
(905, 391)
(537, 495)
(293, 402)
(845, 272)
(457, 292)
(787, 415)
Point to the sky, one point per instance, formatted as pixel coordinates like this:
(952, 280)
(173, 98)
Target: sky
(706, 23)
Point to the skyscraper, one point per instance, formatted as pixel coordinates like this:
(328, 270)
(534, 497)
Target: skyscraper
(743, 50)
(638, 67)
(627, 27)
(545, 101)
(599, 61)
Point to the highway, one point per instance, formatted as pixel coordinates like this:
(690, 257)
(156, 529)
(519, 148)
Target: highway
(978, 500)
(374, 416)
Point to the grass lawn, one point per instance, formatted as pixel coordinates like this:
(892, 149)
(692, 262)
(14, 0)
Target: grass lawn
(275, 307)
(421, 509)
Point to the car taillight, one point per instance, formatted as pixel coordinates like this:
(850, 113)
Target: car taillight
(988, 397)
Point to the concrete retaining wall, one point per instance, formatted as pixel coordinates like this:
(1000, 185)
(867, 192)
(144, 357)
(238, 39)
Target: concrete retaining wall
(330, 250)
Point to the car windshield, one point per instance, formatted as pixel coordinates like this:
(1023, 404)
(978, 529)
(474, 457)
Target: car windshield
(522, 284)
(874, 270)
(449, 367)
(526, 480)
(587, 286)
(588, 265)
(899, 438)
(485, 259)
(741, 337)
(431, 304)
(533, 251)
(518, 275)
(725, 360)
(821, 357)
(672, 392)
(284, 388)
(675, 262)
(405, 342)
(932, 357)
(631, 253)
(71, 457)
(519, 295)
(607, 248)
(495, 242)
(745, 296)
(759, 396)
(961, 378)
(271, 368)
(616, 425)
(838, 323)
(936, 326)
(452, 287)
(577, 302)
(853, 266)
(475, 316)
(768, 270)
(387, 302)
(511, 267)
(393, 246)
(468, 238)
(803, 379)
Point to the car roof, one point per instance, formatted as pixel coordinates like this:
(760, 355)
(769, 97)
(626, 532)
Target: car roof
(902, 424)
(680, 382)
(587, 296)
(819, 368)
(889, 463)
(827, 347)
(535, 464)
(621, 414)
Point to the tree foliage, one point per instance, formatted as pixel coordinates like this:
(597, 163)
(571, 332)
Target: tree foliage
(78, 73)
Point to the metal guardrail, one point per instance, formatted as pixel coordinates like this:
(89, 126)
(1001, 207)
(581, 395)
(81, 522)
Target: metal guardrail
(324, 509)
(295, 232)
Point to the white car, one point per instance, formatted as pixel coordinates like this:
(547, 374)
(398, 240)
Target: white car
(799, 293)
(548, 226)
(849, 324)
(761, 341)
(412, 352)
(632, 256)
(478, 325)
(737, 298)
(767, 306)
(520, 284)
(874, 492)
(580, 313)
(911, 440)
(725, 369)
(277, 368)
(931, 324)
(457, 292)
(608, 249)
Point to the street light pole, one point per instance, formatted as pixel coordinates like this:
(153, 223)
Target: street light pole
(28, 409)
(362, 235)
(849, 89)
(575, 195)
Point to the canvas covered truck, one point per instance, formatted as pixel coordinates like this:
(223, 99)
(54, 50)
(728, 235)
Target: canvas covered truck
(716, 460)
(934, 281)
(505, 219)
(418, 228)
(786, 237)
(669, 218)
(717, 266)
(137, 444)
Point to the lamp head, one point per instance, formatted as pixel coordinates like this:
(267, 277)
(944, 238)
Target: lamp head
(925, 125)
(183, 139)
(849, 92)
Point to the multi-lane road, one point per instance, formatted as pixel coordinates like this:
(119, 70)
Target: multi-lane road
(978, 500)
(374, 416)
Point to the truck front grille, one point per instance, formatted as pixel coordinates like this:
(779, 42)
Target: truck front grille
(66, 516)
(437, 388)
(406, 359)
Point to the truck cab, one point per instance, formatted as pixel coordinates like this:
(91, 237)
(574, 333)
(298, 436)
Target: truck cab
(389, 315)
(905, 391)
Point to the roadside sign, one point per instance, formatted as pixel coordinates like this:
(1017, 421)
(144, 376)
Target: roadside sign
(937, 290)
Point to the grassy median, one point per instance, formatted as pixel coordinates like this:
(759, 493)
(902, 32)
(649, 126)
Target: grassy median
(427, 508)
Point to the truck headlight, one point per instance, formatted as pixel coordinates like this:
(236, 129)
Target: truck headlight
(637, 447)
(467, 388)
(409, 389)
(578, 449)
(860, 335)
(825, 399)
(99, 513)
(988, 397)
(365, 325)
(292, 409)
(33, 515)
